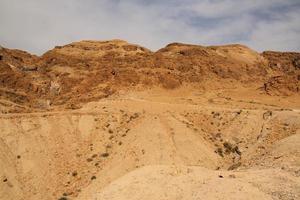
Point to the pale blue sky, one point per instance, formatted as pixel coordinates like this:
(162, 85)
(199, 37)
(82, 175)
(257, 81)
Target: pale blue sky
(39, 25)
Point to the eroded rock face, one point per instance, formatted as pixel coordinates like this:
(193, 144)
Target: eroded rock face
(282, 85)
(88, 70)
(283, 61)
(55, 88)
(296, 63)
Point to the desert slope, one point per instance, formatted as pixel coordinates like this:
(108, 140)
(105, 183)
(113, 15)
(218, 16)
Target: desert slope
(181, 182)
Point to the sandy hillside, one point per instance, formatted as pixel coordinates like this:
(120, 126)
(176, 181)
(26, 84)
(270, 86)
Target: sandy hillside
(113, 120)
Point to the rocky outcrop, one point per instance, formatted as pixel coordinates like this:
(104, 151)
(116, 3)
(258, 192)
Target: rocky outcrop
(81, 71)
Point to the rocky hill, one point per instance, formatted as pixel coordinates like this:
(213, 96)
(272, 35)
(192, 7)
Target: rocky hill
(89, 70)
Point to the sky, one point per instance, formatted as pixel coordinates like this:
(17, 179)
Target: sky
(39, 25)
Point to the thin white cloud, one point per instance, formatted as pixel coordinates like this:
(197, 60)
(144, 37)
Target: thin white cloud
(282, 34)
(233, 8)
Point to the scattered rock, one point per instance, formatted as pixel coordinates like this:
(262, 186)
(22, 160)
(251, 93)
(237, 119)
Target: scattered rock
(74, 173)
(232, 176)
(228, 147)
(216, 115)
(234, 166)
(267, 115)
(73, 106)
(237, 150)
(134, 116)
(218, 135)
(104, 155)
(220, 152)
(277, 157)
(93, 177)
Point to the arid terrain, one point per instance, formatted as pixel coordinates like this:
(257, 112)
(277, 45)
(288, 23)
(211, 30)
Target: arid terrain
(109, 120)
